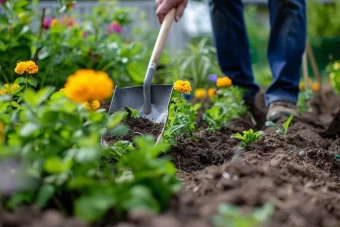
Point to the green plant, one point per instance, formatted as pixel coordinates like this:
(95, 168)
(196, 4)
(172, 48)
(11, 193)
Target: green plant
(247, 138)
(182, 118)
(232, 216)
(303, 101)
(196, 63)
(71, 42)
(321, 20)
(227, 104)
(285, 126)
(56, 144)
(334, 75)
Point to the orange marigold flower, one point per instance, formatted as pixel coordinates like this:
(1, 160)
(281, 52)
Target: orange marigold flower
(182, 86)
(223, 82)
(3, 91)
(14, 86)
(200, 93)
(26, 67)
(316, 87)
(211, 92)
(87, 84)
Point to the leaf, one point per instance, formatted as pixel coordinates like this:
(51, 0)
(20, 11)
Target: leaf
(116, 118)
(136, 71)
(56, 165)
(86, 154)
(28, 129)
(43, 94)
(91, 208)
(141, 198)
(32, 81)
(44, 195)
(119, 130)
(15, 104)
(287, 123)
(20, 80)
(270, 124)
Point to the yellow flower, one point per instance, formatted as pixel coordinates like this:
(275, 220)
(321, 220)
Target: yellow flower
(301, 85)
(54, 23)
(200, 93)
(316, 87)
(182, 86)
(2, 132)
(336, 65)
(3, 91)
(26, 66)
(92, 105)
(14, 86)
(211, 92)
(87, 84)
(223, 82)
(62, 90)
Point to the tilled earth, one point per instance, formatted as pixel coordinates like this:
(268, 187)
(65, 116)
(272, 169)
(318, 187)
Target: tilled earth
(298, 174)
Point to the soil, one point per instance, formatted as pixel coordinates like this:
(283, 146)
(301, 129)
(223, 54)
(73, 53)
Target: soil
(137, 126)
(298, 174)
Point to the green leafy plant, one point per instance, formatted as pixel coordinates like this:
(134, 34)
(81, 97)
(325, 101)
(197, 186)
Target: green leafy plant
(247, 138)
(196, 63)
(285, 126)
(182, 119)
(57, 145)
(61, 42)
(303, 101)
(232, 216)
(334, 75)
(227, 104)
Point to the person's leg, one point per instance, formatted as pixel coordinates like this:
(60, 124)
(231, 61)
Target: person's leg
(286, 47)
(231, 43)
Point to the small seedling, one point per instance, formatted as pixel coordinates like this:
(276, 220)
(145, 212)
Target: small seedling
(247, 138)
(285, 126)
(233, 216)
(132, 112)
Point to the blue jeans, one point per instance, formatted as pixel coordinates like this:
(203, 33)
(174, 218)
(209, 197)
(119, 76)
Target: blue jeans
(285, 50)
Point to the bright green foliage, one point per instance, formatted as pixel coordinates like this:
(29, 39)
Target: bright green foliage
(304, 97)
(285, 126)
(247, 138)
(334, 75)
(79, 41)
(196, 63)
(232, 216)
(228, 104)
(182, 119)
(56, 144)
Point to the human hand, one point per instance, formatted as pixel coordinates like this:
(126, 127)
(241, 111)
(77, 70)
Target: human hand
(164, 6)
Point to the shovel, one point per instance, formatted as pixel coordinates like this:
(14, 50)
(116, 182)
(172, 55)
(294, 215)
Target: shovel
(151, 101)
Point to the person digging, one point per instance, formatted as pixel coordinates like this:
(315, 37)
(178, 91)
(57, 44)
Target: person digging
(285, 49)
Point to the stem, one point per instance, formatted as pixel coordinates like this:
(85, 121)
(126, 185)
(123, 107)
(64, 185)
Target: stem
(35, 58)
(59, 205)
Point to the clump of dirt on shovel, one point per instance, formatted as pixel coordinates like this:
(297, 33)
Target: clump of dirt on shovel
(137, 127)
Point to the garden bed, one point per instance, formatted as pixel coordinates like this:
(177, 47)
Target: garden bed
(298, 174)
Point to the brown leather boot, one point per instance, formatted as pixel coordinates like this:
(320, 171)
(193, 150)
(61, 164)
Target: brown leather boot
(279, 109)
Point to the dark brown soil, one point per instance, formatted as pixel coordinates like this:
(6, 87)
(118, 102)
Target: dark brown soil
(137, 126)
(298, 174)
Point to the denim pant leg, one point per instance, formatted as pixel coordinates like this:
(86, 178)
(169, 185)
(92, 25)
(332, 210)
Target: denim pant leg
(232, 44)
(286, 47)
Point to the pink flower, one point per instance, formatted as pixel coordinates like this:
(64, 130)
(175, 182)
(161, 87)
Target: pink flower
(114, 27)
(2, 1)
(84, 35)
(47, 23)
(68, 21)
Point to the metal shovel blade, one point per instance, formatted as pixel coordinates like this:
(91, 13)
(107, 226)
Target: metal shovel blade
(133, 97)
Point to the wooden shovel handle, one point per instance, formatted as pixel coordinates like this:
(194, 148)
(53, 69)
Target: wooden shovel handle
(162, 36)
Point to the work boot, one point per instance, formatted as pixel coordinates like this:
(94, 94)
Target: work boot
(258, 113)
(279, 109)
